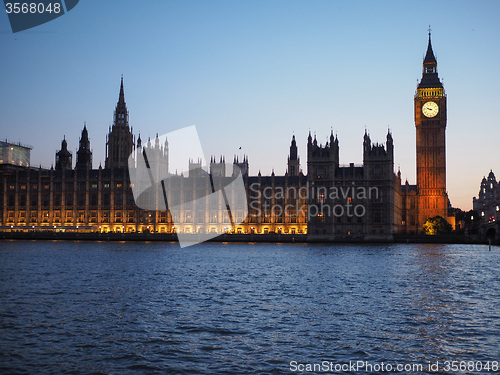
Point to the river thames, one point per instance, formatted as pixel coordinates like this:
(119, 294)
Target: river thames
(215, 308)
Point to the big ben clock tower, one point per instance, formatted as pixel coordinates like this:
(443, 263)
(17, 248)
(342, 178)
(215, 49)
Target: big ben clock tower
(430, 123)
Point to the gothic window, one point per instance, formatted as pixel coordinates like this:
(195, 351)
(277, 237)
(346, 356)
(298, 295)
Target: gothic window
(130, 198)
(81, 199)
(213, 217)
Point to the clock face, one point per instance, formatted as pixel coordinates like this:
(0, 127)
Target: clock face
(430, 109)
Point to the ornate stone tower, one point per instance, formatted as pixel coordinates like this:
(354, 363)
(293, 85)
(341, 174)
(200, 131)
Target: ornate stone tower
(243, 165)
(119, 141)
(293, 159)
(218, 169)
(430, 123)
(84, 153)
(322, 170)
(378, 172)
(322, 161)
(64, 159)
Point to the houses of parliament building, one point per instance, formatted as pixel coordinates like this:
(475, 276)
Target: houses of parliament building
(332, 201)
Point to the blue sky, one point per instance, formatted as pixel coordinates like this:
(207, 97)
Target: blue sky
(251, 74)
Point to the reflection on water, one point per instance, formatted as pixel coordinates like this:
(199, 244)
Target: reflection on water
(242, 308)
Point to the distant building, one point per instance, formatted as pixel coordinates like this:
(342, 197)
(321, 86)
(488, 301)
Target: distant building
(64, 158)
(487, 205)
(333, 201)
(15, 154)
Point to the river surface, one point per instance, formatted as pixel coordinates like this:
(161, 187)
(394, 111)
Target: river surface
(153, 308)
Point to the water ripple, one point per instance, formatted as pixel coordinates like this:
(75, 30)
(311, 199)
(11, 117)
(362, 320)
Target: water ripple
(105, 308)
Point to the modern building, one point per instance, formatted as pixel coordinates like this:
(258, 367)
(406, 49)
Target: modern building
(15, 154)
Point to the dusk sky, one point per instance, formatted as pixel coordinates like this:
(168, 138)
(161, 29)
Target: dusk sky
(251, 74)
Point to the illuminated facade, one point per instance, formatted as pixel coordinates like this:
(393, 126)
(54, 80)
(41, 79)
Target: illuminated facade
(82, 199)
(428, 198)
(333, 201)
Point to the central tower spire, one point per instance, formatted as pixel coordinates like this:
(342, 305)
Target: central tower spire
(429, 56)
(430, 77)
(121, 98)
(120, 141)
